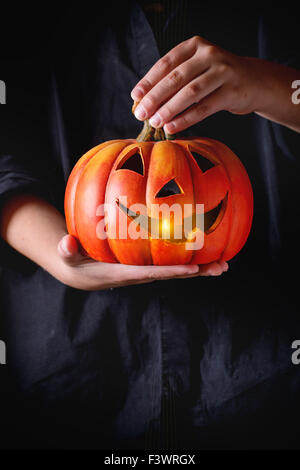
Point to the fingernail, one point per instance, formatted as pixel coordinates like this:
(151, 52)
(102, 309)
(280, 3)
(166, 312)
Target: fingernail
(140, 112)
(155, 121)
(169, 127)
(137, 94)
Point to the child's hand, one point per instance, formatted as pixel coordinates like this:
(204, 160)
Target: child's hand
(84, 273)
(196, 79)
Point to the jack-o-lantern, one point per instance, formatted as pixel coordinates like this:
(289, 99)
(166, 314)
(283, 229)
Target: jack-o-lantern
(123, 180)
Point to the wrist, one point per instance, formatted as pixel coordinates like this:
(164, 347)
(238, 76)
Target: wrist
(52, 262)
(60, 270)
(260, 84)
(273, 92)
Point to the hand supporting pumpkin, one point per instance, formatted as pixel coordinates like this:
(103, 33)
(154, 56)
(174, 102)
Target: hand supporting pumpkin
(196, 79)
(37, 230)
(88, 274)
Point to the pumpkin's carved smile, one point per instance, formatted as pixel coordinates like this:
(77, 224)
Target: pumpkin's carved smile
(165, 200)
(210, 220)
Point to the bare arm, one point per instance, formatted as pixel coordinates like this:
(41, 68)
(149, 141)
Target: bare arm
(197, 79)
(37, 230)
(274, 93)
(34, 228)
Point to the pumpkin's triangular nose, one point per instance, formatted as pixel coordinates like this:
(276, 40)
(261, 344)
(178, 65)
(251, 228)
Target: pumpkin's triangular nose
(169, 189)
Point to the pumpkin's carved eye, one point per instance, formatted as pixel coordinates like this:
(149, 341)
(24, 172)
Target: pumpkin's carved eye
(213, 217)
(134, 163)
(169, 189)
(203, 163)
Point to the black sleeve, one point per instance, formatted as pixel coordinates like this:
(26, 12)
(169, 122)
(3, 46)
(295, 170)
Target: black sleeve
(279, 36)
(25, 160)
(26, 163)
(26, 155)
(278, 41)
(279, 145)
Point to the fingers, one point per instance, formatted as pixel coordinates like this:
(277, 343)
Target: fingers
(212, 269)
(127, 273)
(173, 72)
(118, 275)
(211, 104)
(167, 87)
(193, 81)
(68, 249)
(87, 274)
(192, 93)
(165, 65)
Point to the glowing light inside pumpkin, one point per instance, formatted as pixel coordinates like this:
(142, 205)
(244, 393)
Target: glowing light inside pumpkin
(165, 228)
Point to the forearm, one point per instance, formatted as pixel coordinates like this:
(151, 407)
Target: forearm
(274, 96)
(33, 227)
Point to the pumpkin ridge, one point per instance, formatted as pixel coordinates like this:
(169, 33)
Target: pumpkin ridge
(78, 168)
(86, 168)
(149, 181)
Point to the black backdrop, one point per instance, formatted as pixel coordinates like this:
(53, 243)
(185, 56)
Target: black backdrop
(26, 32)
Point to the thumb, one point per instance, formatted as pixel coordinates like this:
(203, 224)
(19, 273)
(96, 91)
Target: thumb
(68, 249)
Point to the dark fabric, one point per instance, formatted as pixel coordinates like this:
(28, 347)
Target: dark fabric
(200, 363)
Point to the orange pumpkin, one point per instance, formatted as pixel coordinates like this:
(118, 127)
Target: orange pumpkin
(148, 171)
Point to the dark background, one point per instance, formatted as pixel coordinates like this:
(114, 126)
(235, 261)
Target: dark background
(26, 33)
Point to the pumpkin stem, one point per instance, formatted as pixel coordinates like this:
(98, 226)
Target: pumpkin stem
(150, 133)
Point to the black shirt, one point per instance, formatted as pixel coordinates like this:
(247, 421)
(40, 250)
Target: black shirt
(197, 363)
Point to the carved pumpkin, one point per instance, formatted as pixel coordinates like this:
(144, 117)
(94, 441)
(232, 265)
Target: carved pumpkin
(148, 171)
